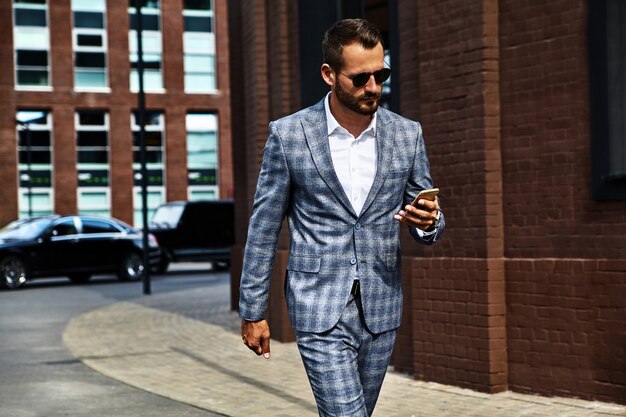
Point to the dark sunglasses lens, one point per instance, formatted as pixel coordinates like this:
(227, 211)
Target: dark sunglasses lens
(361, 79)
(382, 75)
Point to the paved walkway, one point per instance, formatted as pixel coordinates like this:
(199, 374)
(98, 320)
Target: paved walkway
(177, 346)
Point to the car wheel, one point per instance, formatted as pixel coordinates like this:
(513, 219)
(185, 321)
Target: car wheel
(12, 272)
(79, 278)
(132, 267)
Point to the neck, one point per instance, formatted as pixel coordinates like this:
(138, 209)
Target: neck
(352, 121)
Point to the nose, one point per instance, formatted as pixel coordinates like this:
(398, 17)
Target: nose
(371, 85)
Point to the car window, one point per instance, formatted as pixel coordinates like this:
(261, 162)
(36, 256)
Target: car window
(98, 226)
(167, 216)
(24, 229)
(64, 228)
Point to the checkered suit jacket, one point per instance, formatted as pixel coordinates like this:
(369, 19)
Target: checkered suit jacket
(330, 244)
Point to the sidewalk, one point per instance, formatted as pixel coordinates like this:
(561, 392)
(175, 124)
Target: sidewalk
(179, 346)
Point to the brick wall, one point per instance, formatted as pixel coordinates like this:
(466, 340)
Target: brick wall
(565, 275)
(457, 300)
(526, 290)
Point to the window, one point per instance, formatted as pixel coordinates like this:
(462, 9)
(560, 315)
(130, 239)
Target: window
(92, 156)
(151, 45)
(31, 42)
(65, 228)
(90, 44)
(607, 71)
(199, 46)
(155, 145)
(98, 226)
(34, 147)
(202, 156)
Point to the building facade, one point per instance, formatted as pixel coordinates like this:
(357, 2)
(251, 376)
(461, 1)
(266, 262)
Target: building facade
(69, 132)
(522, 105)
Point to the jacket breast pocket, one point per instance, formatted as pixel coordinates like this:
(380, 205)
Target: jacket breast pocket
(308, 264)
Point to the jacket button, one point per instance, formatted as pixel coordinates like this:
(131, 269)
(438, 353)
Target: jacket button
(353, 261)
(357, 226)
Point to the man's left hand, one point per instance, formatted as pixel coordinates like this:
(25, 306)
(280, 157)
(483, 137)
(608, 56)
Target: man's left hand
(422, 217)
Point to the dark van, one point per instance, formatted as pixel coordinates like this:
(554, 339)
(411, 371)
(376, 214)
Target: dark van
(194, 231)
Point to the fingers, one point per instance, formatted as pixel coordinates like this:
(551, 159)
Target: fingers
(422, 217)
(256, 336)
(265, 347)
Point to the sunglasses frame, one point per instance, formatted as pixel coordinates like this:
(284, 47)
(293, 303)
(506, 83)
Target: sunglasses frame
(380, 76)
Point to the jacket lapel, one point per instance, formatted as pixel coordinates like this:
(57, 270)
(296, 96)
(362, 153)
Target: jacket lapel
(385, 137)
(316, 134)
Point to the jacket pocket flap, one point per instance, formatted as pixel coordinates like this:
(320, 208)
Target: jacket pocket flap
(304, 264)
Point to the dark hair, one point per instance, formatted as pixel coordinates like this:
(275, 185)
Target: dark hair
(346, 32)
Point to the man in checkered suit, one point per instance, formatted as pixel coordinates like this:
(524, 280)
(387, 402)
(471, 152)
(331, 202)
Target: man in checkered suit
(343, 172)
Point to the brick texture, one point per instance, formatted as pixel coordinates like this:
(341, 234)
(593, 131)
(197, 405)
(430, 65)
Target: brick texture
(526, 289)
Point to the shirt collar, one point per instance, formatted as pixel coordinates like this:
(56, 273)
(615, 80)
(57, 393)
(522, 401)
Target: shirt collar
(332, 124)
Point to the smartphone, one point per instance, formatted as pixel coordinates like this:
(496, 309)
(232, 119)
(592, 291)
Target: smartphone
(428, 194)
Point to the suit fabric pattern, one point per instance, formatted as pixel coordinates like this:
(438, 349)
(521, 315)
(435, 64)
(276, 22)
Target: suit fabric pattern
(330, 244)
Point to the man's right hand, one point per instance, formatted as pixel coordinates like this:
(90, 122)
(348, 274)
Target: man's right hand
(256, 335)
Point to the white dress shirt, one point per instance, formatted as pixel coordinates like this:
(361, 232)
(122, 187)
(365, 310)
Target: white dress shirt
(354, 159)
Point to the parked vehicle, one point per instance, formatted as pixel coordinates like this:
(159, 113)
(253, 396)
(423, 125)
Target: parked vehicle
(194, 231)
(75, 246)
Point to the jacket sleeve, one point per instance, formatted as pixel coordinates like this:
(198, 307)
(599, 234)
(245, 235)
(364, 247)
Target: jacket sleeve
(420, 180)
(270, 206)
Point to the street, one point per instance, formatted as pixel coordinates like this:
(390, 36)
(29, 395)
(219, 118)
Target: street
(38, 375)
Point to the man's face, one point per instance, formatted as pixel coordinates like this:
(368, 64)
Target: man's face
(356, 59)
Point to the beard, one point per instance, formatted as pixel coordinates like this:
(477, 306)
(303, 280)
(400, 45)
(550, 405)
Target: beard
(354, 103)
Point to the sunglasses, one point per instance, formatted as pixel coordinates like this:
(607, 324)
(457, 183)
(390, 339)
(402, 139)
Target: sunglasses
(359, 80)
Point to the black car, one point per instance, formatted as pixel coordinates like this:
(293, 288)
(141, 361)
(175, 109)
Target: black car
(194, 231)
(76, 246)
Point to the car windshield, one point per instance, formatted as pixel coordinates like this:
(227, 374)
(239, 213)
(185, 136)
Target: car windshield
(167, 216)
(24, 229)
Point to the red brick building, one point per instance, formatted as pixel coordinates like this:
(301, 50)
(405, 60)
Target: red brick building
(73, 65)
(520, 104)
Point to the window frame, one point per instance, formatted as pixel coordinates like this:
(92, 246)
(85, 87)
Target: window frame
(40, 30)
(603, 186)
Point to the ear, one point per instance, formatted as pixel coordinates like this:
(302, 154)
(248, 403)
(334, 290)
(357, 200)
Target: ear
(328, 75)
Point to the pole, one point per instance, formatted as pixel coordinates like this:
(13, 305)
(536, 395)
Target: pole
(141, 101)
(29, 161)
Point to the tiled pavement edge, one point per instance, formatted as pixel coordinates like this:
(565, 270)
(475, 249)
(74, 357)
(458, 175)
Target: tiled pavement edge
(199, 360)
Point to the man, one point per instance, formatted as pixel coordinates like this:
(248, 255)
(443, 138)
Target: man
(343, 172)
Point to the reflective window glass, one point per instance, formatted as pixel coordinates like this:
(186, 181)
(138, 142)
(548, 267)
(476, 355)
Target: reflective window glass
(36, 137)
(30, 17)
(89, 40)
(88, 20)
(90, 78)
(92, 157)
(92, 5)
(88, 118)
(90, 59)
(91, 138)
(148, 21)
(197, 5)
(32, 77)
(197, 83)
(97, 226)
(198, 24)
(36, 156)
(199, 63)
(32, 58)
(30, 38)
